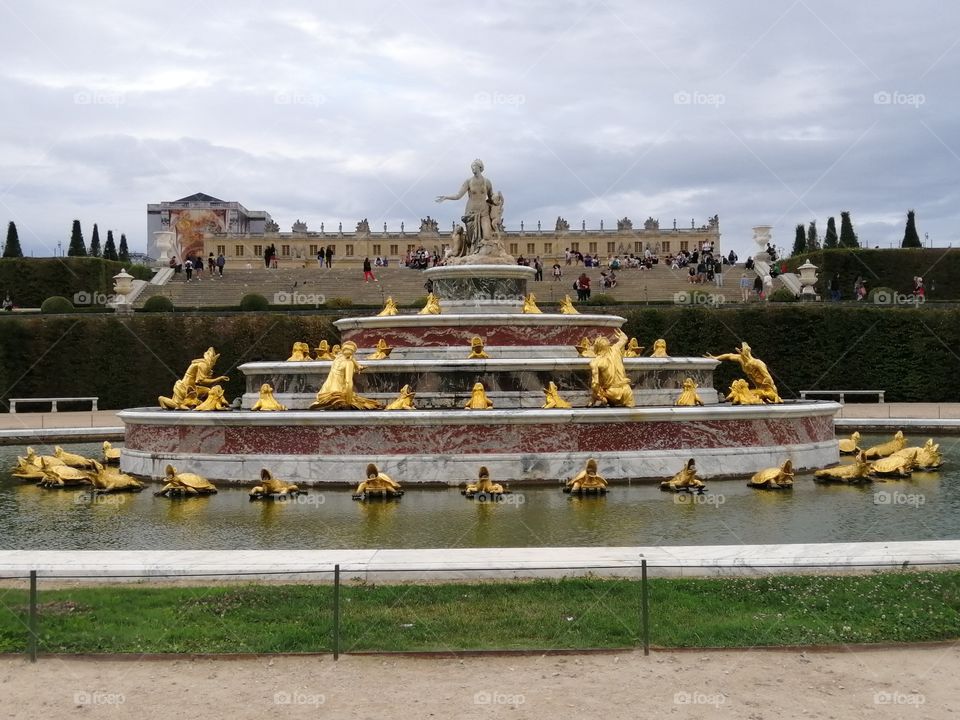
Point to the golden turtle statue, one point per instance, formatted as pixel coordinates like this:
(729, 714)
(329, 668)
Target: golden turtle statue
(111, 455)
(432, 306)
(899, 442)
(484, 488)
(72, 459)
(267, 402)
(273, 488)
(60, 476)
(899, 466)
(688, 396)
(566, 306)
(851, 445)
(775, 478)
(530, 305)
(587, 481)
(927, 458)
(404, 401)
(855, 473)
(478, 398)
(552, 398)
(30, 467)
(108, 479)
(185, 484)
(389, 308)
(377, 485)
(686, 480)
(300, 353)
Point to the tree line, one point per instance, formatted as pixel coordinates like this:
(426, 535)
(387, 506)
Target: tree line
(807, 239)
(77, 246)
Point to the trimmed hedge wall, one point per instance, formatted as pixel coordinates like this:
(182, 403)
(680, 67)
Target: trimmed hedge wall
(129, 361)
(30, 281)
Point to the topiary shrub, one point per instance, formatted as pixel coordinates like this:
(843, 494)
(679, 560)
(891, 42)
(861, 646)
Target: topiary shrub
(252, 302)
(782, 295)
(56, 305)
(158, 303)
(602, 299)
(417, 303)
(341, 302)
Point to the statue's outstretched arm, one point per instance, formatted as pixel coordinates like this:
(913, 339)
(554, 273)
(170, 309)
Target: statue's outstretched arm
(460, 194)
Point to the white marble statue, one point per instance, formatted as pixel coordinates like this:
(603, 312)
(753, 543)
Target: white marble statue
(483, 218)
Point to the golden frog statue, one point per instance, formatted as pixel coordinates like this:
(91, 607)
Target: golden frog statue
(377, 485)
(72, 459)
(530, 305)
(432, 306)
(337, 391)
(476, 349)
(608, 378)
(854, 474)
(775, 478)
(335, 351)
(688, 396)
(741, 394)
(900, 466)
(587, 481)
(60, 476)
(215, 401)
(756, 370)
(267, 402)
(185, 484)
(271, 487)
(300, 353)
(483, 488)
(584, 348)
(389, 308)
(899, 442)
(633, 349)
(566, 306)
(382, 351)
(659, 348)
(404, 401)
(107, 479)
(685, 480)
(478, 398)
(111, 455)
(927, 458)
(553, 399)
(849, 446)
(323, 351)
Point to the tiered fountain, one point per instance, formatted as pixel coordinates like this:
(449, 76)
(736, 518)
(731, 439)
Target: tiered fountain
(481, 293)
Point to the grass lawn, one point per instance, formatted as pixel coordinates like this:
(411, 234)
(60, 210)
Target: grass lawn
(541, 614)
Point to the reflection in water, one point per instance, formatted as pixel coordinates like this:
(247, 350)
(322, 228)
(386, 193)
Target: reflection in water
(927, 506)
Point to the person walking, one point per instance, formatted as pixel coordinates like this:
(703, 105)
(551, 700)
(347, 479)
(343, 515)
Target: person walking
(221, 261)
(329, 256)
(758, 287)
(718, 273)
(584, 282)
(368, 271)
(188, 269)
(538, 266)
(557, 273)
(211, 264)
(745, 286)
(835, 287)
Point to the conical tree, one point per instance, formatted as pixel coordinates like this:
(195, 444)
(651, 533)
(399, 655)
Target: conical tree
(95, 242)
(123, 253)
(813, 239)
(830, 237)
(110, 248)
(77, 247)
(12, 248)
(910, 237)
(799, 241)
(848, 238)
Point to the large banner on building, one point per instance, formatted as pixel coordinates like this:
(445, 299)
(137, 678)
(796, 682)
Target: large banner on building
(190, 225)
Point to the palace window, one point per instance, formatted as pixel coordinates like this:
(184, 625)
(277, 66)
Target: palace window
(285, 250)
(394, 249)
(313, 251)
(665, 246)
(514, 249)
(349, 250)
(411, 248)
(239, 249)
(531, 249)
(593, 248)
(575, 247)
(376, 249)
(221, 249)
(684, 245)
(258, 250)
(638, 247)
(548, 248)
(611, 248)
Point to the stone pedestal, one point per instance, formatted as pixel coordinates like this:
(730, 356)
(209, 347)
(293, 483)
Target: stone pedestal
(481, 288)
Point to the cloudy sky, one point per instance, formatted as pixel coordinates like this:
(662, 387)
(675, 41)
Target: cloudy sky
(773, 112)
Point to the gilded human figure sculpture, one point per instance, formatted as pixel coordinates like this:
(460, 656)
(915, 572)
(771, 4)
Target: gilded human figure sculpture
(180, 484)
(776, 478)
(107, 479)
(337, 391)
(382, 351)
(389, 308)
(189, 390)
(587, 481)
(849, 446)
(478, 398)
(323, 351)
(756, 371)
(584, 348)
(476, 350)
(215, 401)
(633, 349)
(205, 376)
(854, 474)
(432, 306)
(530, 305)
(300, 353)
(404, 401)
(741, 394)
(267, 402)
(685, 480)
(484, 486)
(377, 485)
(688, 396)
(659, 348)
(566, 306)
(553, 399)
(271, 487)
(926, 458)
(608, 378)
(899, 442)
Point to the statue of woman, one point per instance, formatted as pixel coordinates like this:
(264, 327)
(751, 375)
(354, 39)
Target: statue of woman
(476, 216)
(337, 391)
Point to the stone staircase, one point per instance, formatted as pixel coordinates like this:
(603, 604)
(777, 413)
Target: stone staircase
(312, 285)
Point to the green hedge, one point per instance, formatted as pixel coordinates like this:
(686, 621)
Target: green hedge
(129, 361)
(30, 281)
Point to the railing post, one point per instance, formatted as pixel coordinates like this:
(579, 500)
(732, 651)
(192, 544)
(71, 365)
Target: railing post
(644, 608)
(32, 623)
(336, 611)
